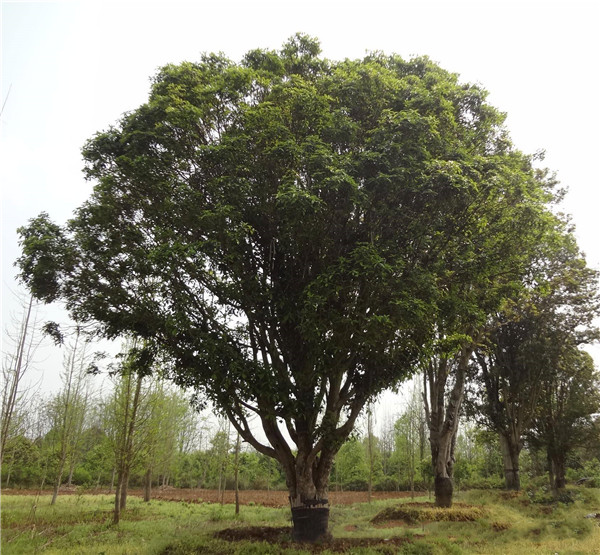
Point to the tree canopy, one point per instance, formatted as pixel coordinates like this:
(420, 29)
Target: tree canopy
(290, 231)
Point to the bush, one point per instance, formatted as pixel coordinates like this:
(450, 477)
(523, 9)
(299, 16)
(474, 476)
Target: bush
(82, 477)
(386, 484)
(491, 482)
(589, 470)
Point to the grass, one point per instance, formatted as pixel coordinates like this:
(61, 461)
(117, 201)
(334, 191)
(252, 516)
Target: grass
(484, 522)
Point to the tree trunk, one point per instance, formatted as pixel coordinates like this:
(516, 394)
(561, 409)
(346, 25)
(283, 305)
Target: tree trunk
(370, 449)
(58, 481)
(237, 473)
(124, 486)
(310, 511)
(308, 489)
(558, 472)
(112, 480)
(442, 415)
(117, 506)
(148, 485)
(443, 465)
(9, 400)
(71, 470)
(511, 449)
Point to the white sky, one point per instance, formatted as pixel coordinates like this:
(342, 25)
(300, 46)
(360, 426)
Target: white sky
(74, 67)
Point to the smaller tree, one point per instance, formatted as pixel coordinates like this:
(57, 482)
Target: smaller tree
(528, 339)
(68, 409)
(22, 341)
(564, 416)
(123, 412)
(351, 466)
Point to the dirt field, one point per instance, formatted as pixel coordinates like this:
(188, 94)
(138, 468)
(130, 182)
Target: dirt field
(265, 498)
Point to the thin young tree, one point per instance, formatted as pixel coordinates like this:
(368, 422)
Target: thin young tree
(124, 421)
(69, 407)
(22, 343)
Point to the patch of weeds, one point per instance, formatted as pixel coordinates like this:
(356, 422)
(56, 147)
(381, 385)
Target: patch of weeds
(423, 512)
(498, 526)
(218, 513)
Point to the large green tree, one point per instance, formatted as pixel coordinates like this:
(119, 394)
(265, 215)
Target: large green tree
(285, 231)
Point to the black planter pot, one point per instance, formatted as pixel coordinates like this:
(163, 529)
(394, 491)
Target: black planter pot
(310, 524)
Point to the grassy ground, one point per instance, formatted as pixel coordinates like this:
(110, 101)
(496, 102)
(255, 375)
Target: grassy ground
(501, 524)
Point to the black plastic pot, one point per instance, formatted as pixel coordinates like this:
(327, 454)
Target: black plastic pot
(310, 524)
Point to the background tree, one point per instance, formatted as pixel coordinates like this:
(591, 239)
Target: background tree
(352, 468)
(481, 275)
(410, 441)
(68, 409)
(124, 421)
(22, 344)
(286, 231)
(162, 419)
(563, 419)
(528, 340)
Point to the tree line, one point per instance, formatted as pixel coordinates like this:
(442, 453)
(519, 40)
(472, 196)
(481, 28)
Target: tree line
(290, 236)
(146, 433)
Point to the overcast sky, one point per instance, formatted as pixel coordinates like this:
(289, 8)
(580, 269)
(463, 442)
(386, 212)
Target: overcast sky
(70, 69)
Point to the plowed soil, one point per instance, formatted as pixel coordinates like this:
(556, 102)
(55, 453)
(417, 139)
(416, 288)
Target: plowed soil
(254, 497)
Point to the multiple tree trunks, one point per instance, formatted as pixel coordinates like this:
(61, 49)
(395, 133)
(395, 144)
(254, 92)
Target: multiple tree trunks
(442, 414)
(310, 510)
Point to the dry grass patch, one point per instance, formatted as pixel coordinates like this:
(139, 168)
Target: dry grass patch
(498, 526)
(413, 513)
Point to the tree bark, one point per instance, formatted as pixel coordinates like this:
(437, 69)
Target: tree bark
(511, 449)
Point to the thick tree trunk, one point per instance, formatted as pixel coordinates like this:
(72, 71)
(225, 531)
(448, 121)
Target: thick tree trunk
(310, 511)
(558, 479)
(443, 465)
(511, 449)
(308, 489)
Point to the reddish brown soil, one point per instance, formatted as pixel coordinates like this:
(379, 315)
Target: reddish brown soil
(256, 497)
